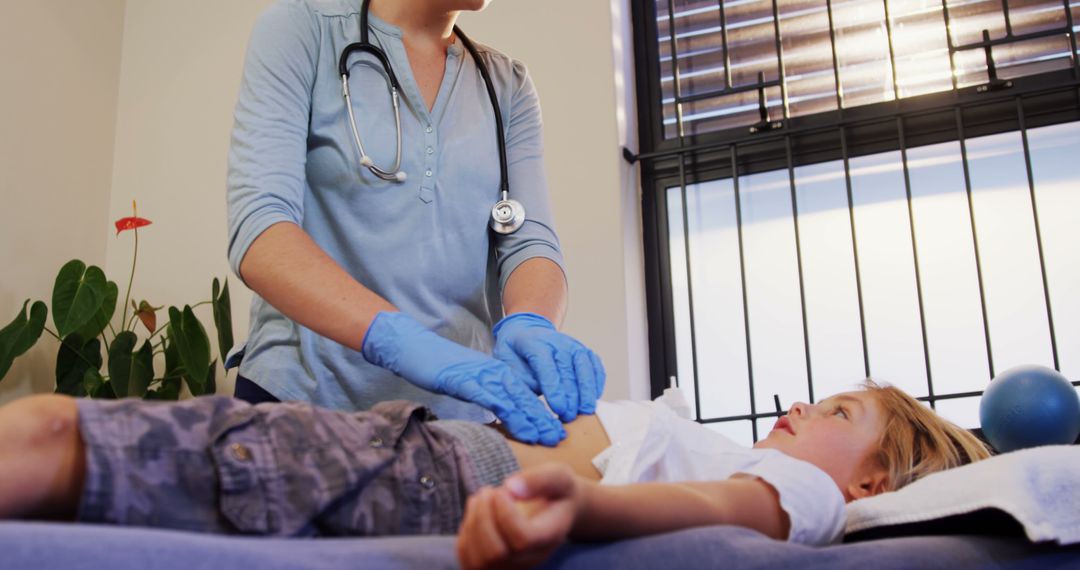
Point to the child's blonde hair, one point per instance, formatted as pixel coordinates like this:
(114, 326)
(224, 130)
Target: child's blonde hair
(915, 441)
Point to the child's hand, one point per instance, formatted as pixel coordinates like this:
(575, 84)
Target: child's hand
(519, 524)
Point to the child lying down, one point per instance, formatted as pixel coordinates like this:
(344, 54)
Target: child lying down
(215, 464)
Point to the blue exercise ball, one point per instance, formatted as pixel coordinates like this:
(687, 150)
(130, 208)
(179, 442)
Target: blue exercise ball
(1028, 406)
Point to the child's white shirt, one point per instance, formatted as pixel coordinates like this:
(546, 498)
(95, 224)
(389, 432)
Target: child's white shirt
(649, 442)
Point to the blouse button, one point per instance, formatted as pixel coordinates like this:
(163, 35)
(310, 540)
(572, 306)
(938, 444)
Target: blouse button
(427, 481)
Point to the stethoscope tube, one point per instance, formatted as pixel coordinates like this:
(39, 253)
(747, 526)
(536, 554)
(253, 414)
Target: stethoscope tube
(504, 182)
(394, 173)
(507, 215)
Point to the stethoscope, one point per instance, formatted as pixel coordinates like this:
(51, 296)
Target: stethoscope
(507, 215)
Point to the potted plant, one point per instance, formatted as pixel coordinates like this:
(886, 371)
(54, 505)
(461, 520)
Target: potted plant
(98, 360)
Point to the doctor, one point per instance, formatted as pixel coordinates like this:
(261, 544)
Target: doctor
(385, 244)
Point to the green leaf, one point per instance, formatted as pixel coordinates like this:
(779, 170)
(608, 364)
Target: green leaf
(207, 387)
(143, 371)
(78, 294)
(97, 387)
(223, 318)
(171, 383)
(73, 360)
(173, 367)
(120, 361)
(101, 318)
(91, 382)
(130, 372)
(168, 390)
(21, 334)
(192, 344)
(211, 379)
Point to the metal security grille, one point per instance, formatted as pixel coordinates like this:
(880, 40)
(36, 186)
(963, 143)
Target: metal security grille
(809, 166)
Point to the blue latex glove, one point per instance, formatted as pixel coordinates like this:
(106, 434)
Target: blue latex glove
(568, 374)
(397, 342)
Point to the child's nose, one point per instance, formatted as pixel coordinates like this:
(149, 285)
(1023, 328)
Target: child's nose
(798, 409)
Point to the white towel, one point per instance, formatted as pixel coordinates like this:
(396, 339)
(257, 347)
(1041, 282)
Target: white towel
(1039, 487)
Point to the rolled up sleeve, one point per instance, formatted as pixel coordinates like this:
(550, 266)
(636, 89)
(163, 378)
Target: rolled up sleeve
(267, 155)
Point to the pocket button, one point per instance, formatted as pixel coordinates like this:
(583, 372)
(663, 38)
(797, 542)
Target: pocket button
(240, 452)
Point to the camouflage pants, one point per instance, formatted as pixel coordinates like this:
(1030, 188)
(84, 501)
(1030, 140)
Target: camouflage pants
(216, 464)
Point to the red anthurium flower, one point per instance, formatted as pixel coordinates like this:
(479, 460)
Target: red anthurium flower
(131, 222)
(147, 314)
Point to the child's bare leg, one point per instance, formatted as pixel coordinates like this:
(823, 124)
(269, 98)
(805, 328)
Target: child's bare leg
(42, 460)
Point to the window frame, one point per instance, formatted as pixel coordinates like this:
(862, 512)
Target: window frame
(959, 114)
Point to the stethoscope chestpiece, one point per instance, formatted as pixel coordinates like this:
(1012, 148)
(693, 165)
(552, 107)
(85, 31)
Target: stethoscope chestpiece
(507, 216)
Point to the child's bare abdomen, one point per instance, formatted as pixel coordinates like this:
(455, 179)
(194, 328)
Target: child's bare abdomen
(585, 438)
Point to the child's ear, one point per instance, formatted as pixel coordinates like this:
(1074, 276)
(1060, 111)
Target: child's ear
(870, 483)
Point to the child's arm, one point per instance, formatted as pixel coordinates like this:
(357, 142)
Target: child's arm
(552, 502)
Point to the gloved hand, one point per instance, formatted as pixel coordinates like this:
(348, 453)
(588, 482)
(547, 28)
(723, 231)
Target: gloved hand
(568, 374)
(397, 342)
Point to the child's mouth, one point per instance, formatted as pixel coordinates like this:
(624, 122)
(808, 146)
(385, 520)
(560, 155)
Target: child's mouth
(784, 424)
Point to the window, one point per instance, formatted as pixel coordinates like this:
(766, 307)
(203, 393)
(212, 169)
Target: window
(836, 190)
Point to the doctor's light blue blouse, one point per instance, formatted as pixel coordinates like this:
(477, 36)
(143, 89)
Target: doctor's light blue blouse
(422, 244)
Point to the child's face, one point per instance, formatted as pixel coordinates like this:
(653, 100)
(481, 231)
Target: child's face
(837, 435)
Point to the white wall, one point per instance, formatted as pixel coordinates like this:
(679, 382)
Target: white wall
(59, 70)
(177, 87)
